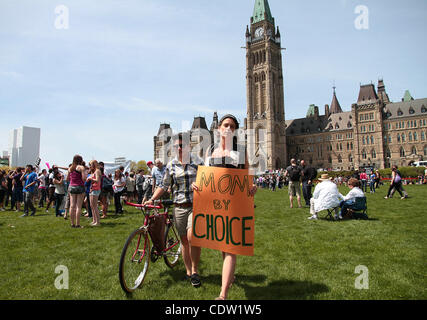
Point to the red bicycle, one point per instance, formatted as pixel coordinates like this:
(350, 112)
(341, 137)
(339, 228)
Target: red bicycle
(138, 251)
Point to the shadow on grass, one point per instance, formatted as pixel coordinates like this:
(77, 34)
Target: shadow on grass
(106, 224)
(255, 288)
(284, 290)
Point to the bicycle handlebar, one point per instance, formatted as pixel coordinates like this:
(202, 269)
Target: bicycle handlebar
(161, 204)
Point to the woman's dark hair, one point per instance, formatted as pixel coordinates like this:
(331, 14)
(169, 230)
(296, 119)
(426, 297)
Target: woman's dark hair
(57, 175)
(229, 116)
(77, 161)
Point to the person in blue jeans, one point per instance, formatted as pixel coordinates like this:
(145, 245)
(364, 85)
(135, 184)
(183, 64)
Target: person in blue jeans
(58, 181)
(87, 203)
(349, 201)
(372, 178)
(30, 178)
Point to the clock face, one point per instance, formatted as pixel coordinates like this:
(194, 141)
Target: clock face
(259, 32)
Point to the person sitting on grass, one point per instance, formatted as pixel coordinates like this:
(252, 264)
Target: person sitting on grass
(349, 201)
(325, 196)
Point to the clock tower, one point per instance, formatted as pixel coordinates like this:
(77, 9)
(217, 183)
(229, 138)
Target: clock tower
(264, 87)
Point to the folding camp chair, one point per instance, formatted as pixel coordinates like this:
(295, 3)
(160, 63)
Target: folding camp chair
(359, 210)
(331, 213)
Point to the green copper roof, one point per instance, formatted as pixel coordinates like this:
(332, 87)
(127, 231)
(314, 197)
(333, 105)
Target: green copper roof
(311, 112)
(262, 8)
(407, 96)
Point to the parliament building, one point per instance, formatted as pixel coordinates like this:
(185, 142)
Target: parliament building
(375, 133)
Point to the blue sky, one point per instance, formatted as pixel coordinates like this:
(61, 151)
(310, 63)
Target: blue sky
(102, 87)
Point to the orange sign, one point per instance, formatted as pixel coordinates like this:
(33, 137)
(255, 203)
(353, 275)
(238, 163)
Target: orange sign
(223, 210)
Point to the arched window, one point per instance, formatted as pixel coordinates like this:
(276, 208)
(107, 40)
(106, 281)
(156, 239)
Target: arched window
(410, 136)
(339, 159)
(411, 110)
(423, 109)
(398, 137)
(402, 152)
(415, 136)
(329, 159)
(364, 156)
(350, 158)
(373, 154)
(363, 141)
(372, 140)
(388, 153)
(403, 137)
(414, 150)
(425, 150)
(423, 136)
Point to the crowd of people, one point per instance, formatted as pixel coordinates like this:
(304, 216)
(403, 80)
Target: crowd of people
(74, 191)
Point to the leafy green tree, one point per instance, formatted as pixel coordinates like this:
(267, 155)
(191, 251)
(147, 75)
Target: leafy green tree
(140, 165)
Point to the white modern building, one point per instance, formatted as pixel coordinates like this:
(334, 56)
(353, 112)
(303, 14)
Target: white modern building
(24, 146)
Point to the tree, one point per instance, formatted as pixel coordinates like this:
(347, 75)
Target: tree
(136, 166)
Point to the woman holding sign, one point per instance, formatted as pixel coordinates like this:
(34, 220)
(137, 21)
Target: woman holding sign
(224, 155)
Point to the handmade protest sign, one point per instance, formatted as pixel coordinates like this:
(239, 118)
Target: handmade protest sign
(223, 210)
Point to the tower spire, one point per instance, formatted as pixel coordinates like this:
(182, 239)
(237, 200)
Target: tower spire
(262, 12)
(335, 105)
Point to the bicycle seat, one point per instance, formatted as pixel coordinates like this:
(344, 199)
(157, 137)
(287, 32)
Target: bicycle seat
(167, 203)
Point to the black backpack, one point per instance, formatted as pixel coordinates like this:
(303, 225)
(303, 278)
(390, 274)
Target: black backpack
(107, 184)
(294, 173)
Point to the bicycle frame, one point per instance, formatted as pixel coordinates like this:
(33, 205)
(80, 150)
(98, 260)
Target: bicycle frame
(136, 254)
(145, 209)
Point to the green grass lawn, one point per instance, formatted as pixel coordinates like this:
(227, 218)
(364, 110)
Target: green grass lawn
(294, 258)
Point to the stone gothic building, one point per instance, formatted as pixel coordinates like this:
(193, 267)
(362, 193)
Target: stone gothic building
(375, 133)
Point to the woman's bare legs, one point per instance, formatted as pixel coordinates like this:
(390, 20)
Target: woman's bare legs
(80, 198)
(95, 210)
(228, 268)
(76, 202)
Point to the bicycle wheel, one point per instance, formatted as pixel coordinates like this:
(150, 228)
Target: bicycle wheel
(173, 242)
(134, 260)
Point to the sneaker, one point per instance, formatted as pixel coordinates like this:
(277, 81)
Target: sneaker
(24, 215)
(314, 217)
(385, 197)
(195, 280)
(402, 198)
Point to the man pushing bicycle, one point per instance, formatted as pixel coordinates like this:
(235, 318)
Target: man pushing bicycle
(181, 174)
